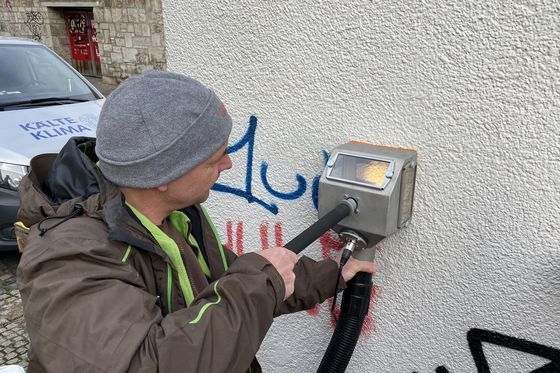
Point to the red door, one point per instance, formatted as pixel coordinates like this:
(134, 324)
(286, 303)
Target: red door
(83, 42)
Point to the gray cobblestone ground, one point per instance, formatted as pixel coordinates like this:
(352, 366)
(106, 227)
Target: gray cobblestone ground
(13, 338)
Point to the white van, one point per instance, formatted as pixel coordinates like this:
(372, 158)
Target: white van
(43, 102)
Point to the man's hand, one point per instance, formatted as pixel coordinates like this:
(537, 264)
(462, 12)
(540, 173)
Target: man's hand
(354, 266)
(283, 260)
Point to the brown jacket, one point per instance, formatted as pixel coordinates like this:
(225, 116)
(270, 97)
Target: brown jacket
(100, 295)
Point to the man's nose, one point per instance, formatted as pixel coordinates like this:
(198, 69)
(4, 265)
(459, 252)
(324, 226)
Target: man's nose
(227, 163)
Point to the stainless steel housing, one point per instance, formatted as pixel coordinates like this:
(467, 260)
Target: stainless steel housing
(384, 206)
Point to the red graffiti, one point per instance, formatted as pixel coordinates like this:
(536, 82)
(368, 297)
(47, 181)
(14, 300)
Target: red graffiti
(329, 243)
(278, 234)
(264, 236)
(238, 236)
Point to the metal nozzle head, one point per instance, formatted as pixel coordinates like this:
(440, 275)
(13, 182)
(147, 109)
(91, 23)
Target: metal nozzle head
(353, 241)
(351, 237)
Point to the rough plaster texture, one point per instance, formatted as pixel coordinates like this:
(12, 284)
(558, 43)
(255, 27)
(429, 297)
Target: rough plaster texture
(474, 86)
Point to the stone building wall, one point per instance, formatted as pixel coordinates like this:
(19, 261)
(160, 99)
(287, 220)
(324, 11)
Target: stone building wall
(27, 19)
(130, 37)
(59, 34)
(129, 32)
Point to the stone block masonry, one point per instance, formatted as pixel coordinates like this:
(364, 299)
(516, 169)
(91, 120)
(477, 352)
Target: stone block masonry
(129, 32)
(130, 37)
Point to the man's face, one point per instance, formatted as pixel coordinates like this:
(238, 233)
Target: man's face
(194, 186)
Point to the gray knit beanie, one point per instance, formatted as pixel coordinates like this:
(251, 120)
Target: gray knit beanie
(156, 127)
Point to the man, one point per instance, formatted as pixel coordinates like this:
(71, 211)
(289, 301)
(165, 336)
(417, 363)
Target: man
(123, 270)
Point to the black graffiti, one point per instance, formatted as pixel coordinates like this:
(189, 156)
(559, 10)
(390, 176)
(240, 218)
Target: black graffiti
(476, 337)
(440, 369)
(34, 23)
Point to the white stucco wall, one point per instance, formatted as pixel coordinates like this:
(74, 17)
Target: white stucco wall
(475, 88)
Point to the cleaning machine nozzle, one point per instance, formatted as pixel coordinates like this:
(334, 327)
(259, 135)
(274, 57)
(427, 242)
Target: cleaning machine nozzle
(353, 241)
(379, 179)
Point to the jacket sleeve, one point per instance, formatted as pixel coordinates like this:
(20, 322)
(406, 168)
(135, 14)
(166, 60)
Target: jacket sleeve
(86, 311)
(315, 282)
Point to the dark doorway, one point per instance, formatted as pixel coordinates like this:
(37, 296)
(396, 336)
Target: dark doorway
(83, 42)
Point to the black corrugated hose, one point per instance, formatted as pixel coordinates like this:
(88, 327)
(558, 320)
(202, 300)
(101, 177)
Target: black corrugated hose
(355, 302)
(354, 308)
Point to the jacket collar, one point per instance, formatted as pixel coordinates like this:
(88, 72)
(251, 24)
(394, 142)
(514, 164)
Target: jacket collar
(57, 183)
(124, 225)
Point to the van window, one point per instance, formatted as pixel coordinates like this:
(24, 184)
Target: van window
(33, 72)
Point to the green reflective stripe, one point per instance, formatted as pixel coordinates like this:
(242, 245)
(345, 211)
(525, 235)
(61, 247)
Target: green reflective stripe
(171, 250)
(218, 239)
(169, 287)
(181, 222)
(203, 264)
(199, 256)
(205, 307)
(126, 254)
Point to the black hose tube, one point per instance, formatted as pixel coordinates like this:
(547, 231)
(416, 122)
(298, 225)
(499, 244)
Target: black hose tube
(355, 302)
(305, 238)
(354, 308)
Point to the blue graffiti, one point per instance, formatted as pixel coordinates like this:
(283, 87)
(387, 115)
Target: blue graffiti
(302, 185)
(315, 187)
(248, 141)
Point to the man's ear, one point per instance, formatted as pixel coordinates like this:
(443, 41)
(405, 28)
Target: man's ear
(162, 188)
